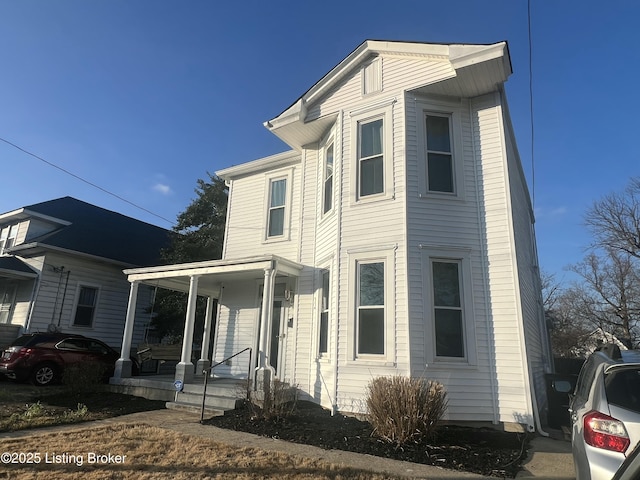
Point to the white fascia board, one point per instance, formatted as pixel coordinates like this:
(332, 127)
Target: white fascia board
(462, 56)
(44, 246)
(22, 214)
(216, 266)
(267, 163)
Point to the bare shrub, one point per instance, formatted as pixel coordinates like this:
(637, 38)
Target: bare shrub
(404, 409)
(83, 377)
(277, 402)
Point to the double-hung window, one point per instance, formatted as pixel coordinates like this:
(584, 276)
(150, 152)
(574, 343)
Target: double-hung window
(448, 309)
(86, 306)
(328, 179)
(8, 236)
(371, 158)
(440, 168)
(277, 201)
(370, 308)
(323, 341)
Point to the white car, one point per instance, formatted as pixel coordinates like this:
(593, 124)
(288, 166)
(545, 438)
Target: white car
(605, 412)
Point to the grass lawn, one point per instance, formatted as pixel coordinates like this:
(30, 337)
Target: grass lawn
(144, 452)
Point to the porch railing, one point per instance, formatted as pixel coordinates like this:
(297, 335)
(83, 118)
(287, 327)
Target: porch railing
(207, 372)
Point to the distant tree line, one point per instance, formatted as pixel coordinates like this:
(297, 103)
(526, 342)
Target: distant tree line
(604, 303)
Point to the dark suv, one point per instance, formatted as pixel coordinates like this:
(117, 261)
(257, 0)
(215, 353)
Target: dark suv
(42, 357)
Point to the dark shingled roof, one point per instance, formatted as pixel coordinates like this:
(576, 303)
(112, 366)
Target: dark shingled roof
(15, 265)
(103, 233)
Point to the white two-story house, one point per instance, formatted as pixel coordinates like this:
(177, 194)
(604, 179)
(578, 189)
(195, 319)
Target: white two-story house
(395, 237)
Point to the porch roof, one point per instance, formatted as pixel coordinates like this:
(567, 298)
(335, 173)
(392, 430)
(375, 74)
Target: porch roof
(12, 267)
(213, 273)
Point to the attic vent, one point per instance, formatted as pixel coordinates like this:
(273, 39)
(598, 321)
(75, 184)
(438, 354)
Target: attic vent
(372, 77)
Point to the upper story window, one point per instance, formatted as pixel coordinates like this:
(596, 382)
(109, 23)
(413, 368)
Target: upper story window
(8, 236)
(277, 201)
(371, 158)
(327, 203)
(371, 150)
(440, 171)
(86, 306)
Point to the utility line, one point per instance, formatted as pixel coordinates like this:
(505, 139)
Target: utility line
(533, 168)
(86, 181)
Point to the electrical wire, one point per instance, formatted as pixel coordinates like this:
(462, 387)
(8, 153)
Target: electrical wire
(51, 164)
(533, 168)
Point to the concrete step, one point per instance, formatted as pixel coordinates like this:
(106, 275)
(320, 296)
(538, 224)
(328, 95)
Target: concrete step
(193, 408)
(222, 402)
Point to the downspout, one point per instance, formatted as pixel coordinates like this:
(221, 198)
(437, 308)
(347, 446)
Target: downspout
(334, 403)
(32, 303)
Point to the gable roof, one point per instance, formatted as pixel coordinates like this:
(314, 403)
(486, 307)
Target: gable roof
(94, 231)
(475, 69)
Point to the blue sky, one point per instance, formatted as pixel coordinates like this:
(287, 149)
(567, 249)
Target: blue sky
(144, 97)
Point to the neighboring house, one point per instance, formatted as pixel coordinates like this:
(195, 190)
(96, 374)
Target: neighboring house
(394, 238)
(61, 267)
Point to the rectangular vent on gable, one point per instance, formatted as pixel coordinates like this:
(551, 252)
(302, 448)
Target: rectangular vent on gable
(372, 77)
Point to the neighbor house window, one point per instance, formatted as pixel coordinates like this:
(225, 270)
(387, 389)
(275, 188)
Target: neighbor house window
(370, 308)
(371, 158)
(440, 168)
(8, 237)
(277, 197)
(448, 308)
(328, 179)
(86, 306)
(324, 314)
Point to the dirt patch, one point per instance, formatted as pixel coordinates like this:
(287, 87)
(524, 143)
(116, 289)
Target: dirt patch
(483, 451)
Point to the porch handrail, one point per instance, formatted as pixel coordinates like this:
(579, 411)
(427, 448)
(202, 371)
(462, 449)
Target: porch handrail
(207, 371)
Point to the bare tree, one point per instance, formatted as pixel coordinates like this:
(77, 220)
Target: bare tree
(608, 296)
(614, 220)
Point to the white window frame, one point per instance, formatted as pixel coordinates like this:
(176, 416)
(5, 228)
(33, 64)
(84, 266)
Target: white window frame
(453, 111)
(324, 309)
(380, 111)
(357, 257)
(8, 235)
(329, 144)
(462, 257)
(286, 176)
(76, 305)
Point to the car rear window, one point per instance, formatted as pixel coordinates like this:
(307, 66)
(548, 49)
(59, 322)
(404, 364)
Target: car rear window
(30, 340)
(623, 389)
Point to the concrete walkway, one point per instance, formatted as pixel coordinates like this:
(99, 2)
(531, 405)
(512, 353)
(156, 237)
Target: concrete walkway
(549, 459)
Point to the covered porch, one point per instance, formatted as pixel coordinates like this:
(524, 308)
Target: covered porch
(209, 279)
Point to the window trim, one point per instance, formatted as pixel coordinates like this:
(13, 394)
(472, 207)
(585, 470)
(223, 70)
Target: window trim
(321, 310)
(385, 255)
(380, 111)
(452, 110)
(330, 143)
(286, 223)
(462, 257)
(5, 243)
(76, 305)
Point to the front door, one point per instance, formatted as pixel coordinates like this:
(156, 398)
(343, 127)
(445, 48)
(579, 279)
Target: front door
(276, 334)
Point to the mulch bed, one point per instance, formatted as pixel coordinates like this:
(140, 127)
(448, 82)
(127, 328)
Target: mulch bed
(483, 451)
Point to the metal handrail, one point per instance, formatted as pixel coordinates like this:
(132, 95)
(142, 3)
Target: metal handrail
(207, 371)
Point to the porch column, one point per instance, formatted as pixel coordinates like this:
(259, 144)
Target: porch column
(265, 372)
(184, 369)
(123, 364)
(204, 362)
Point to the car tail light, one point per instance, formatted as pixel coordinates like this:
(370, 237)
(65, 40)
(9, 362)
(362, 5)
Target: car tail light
(603, 431)
(25, 352)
